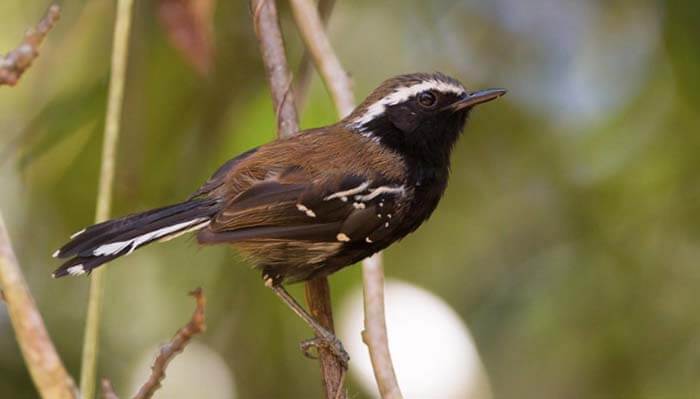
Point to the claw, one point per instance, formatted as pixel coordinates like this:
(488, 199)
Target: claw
(306, 346)
(329, 342)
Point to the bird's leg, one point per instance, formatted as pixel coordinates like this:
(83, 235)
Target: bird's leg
(323, 337)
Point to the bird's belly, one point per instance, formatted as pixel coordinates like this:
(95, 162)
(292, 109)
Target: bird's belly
(288, 261)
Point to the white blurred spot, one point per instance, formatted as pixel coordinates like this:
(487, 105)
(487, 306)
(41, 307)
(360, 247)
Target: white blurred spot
(434, 355)
(198, 372)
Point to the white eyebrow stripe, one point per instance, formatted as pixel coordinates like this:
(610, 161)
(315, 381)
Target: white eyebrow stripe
(401, 95)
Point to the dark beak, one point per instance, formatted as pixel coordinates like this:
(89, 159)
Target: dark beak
(476, 98)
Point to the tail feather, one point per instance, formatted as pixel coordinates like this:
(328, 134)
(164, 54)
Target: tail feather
(106, 241)
(124, 226)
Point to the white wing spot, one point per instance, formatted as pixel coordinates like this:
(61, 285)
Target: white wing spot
(343, 195)
(358, 205)
(382, 190)
(306, 210)
(386, 224)
(342, 237)
(368, 240)
(55, 254)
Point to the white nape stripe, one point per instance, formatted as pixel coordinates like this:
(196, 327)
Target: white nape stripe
(378, 191)
(116, 247)
(347, 193)
(401, 95)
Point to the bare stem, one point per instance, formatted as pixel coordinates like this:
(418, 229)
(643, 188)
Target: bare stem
(337, 82)
(176, 345)
(271, 43)
(272, 48)
(375, 334)
(120, 46)
(45, 366)
(318, 296)
(313, 33)
(17, 61)
(305, 71)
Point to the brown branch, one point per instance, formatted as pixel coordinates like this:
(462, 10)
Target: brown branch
(337, 82)
(269, 36)
(305, 71)
(271, 43)
(45, 366)
(375, 335)
(176, 345)
(108, 389)
(318, 296)
(17, 61)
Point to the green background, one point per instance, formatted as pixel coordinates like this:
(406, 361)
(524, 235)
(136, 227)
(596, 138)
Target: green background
(568, 239)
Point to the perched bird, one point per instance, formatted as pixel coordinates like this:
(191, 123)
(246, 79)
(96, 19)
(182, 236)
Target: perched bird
(308, 205)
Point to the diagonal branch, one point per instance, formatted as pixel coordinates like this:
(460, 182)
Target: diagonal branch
(337, 82)
(271, 43)
(318, 290)
(334, 76)
(45, 366)
(17, 61)
(305, 71)
(176, 345)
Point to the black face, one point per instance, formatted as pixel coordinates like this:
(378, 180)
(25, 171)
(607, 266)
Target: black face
(418, 115)
(424, 126)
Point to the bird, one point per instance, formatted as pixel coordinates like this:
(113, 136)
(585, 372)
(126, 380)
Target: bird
(308, 205)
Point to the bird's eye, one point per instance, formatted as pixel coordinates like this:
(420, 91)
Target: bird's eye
(427, 99)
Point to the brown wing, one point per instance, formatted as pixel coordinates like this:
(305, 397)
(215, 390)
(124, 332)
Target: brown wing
(339, 208)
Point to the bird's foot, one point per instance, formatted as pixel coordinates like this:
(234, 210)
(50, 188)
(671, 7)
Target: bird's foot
(326, 341)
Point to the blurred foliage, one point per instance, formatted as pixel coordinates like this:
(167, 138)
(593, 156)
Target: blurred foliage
(568, 239)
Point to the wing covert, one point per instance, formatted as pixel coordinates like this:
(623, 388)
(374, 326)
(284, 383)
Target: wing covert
(344, 209)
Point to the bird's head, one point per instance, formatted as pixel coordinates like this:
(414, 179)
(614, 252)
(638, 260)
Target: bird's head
(419, 115)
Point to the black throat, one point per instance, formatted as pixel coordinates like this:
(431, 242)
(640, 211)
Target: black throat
(425, 148)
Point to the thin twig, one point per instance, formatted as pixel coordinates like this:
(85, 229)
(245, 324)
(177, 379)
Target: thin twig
(108, 389)
(45, 366)
(305, 71)
(338, 83)
(120, 45)
(313, 34)
(375, 335)
(280, 78)
(176, 345)
(272, 48)
(17, 61)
